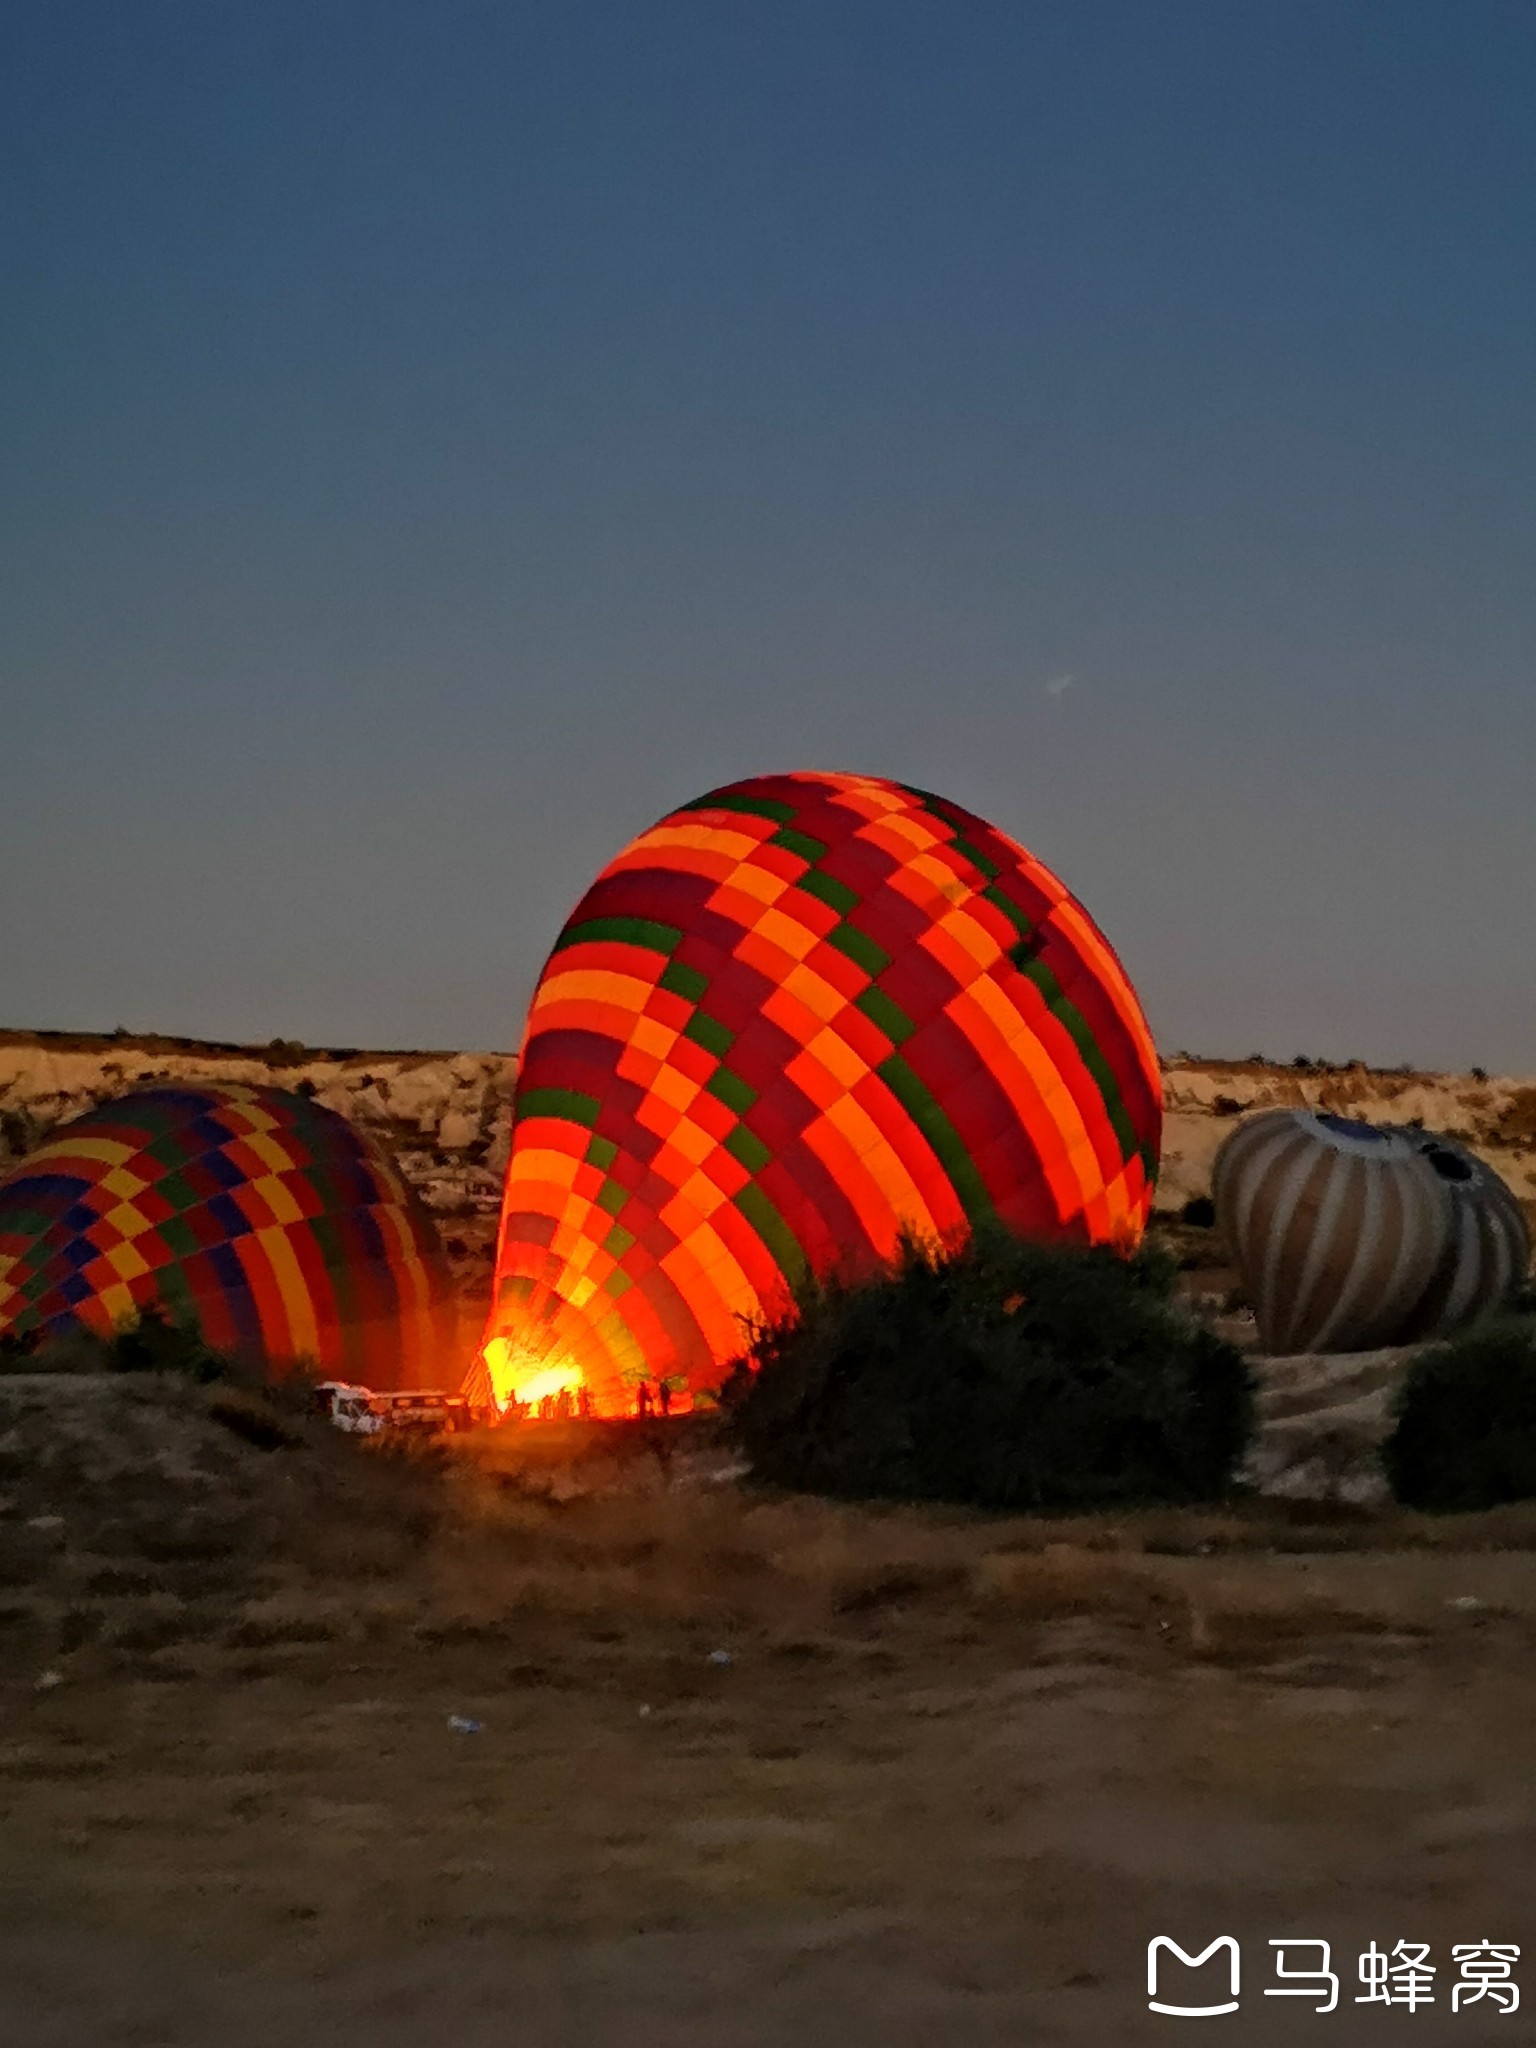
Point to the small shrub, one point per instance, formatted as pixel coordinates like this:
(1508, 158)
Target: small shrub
(152, 1343)
(1517, 1120)
(254, 1419)
(1465, 1435)
(1004, 1375)
(1199, 1212)
(286, 1052)
(19, 1133)
(17, 1352)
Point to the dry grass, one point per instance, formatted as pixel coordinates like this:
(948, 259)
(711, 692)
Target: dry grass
(997, 1739)
(173, 1528)
(659, 1550)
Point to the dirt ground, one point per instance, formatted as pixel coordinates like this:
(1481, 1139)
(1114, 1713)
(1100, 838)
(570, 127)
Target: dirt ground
(744, 1770)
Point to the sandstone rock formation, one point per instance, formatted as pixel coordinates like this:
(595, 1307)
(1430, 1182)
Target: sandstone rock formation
(1203, 1100)
(445, 1116)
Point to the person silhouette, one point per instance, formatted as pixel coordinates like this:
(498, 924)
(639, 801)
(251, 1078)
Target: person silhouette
(643, 1399)
(664, 1396)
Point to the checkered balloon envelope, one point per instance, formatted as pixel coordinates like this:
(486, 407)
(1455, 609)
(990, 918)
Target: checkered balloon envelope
(268, 1221)
(799, 1018)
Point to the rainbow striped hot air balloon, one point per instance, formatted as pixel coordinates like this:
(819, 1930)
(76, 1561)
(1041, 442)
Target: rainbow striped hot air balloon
(269, 1221)
(796, 1019)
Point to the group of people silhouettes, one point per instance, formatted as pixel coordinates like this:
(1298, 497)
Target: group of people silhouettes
(565, 1405)
(574, 1404)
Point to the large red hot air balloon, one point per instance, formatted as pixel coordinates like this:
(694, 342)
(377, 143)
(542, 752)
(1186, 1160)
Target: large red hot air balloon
(796, 1019)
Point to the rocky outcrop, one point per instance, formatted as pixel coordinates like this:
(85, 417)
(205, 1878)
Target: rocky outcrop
(446, 1117)
(1204, 1100)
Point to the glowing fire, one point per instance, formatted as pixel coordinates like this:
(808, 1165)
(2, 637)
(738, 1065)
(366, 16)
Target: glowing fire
(523, 1376)
(554, 1379)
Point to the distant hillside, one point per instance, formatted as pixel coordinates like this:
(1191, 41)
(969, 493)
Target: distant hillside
(446, 1116)
(1204, 1099)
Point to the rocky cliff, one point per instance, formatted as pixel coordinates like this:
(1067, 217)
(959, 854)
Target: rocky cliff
(1205, 1099)
(446, 1116)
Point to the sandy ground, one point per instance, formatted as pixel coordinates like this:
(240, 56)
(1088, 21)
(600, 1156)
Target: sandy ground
(954, 1777)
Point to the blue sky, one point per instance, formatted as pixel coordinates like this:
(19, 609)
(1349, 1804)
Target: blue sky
(441, 437)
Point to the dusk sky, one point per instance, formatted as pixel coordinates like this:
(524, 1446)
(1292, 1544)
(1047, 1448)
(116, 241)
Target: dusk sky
(440, 438)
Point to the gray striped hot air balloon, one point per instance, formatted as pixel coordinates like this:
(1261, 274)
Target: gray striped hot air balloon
(1351, 1235)
(1490, 1250)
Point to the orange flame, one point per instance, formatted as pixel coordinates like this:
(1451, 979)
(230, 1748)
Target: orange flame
(524, 1376)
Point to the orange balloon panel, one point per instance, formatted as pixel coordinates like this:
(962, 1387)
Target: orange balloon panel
(796, 1019)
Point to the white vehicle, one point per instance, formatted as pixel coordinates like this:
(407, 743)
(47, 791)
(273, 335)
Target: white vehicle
(425, 1410)
(348, 1407)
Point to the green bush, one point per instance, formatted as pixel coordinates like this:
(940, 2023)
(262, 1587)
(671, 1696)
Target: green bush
(153, 1343)
(1005, 1375)
(18, 1354)
(150, 1343)
(1465, 1435)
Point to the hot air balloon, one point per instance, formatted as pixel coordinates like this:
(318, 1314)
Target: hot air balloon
(1350, 1235)
(1489, 1253)
(798, 1019)
(267, 1220)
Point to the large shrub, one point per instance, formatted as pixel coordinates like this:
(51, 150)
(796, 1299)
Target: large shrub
(1465, 1436)
(1004, 1374)
(149, 1342)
